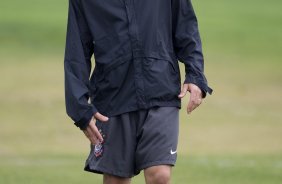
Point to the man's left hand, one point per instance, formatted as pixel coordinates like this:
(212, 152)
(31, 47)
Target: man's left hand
(195, 96)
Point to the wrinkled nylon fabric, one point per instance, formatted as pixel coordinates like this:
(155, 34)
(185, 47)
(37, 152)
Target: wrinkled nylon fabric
(136, 46)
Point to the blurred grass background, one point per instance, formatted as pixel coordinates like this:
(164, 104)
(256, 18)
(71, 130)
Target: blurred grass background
(235, 137)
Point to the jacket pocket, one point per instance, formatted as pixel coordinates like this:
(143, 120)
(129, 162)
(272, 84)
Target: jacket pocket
(110, 48)
(161, 78)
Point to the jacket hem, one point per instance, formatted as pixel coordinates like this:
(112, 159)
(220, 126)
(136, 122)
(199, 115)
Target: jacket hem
(145, 106)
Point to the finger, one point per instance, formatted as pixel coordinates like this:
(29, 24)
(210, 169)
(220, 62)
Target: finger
(194, 88)
(94, 140)
(96, 132)
(194, 102)
(92, 132)
(90, 135)
(86, 133)
(101, 117)
(183, 91)
(190, 105)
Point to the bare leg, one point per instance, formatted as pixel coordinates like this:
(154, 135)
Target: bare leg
(110, 179)
(158, 174)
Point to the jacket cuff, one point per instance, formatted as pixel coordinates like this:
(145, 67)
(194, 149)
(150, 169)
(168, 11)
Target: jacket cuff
(201, 84)
(85, 120)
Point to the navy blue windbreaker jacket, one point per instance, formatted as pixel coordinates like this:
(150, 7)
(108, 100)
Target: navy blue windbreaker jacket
(136, 45)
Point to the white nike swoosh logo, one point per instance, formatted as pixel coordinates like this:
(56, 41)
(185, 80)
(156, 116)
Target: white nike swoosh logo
(173, 152)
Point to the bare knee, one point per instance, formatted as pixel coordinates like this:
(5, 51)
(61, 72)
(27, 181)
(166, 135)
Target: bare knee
(158, 174)
(110, 179)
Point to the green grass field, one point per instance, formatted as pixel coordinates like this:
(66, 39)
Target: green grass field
(235, 137)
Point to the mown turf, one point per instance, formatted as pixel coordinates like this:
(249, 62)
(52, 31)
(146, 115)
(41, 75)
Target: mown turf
(235, 137)
(193, 169)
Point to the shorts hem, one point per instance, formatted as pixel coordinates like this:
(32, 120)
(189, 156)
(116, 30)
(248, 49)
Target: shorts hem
(101, 170)
(155, 163)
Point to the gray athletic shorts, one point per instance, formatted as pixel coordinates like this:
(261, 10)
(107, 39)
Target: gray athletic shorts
(134, 141)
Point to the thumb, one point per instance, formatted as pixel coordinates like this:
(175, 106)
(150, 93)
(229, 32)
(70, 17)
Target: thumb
(183, 91)
(101, 117)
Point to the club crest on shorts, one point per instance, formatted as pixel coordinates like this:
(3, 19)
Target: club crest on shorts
(98, 150)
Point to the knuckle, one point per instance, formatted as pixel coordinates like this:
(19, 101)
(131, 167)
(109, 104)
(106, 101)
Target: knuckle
(96, 115)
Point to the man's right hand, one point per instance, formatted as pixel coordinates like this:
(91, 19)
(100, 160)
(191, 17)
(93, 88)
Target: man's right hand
(92, 132)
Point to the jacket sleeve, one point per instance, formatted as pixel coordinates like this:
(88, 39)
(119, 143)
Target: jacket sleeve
(187, 44)
(77, 67)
